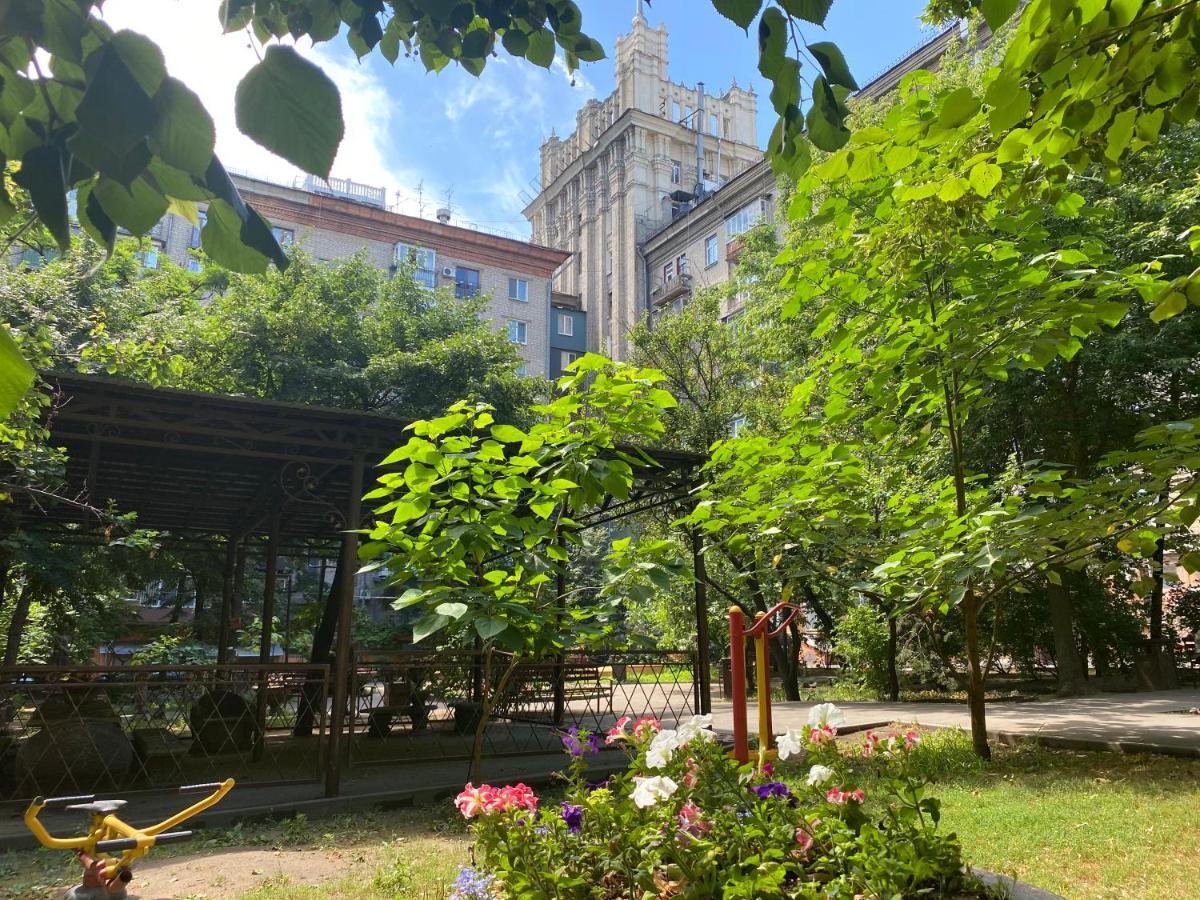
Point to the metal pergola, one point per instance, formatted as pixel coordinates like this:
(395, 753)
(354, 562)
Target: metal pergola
(193, 465)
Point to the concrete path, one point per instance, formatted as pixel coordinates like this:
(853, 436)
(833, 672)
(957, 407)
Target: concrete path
(1152, 722)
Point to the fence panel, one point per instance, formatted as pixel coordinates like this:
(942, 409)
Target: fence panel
(78, 730)
(413, 707)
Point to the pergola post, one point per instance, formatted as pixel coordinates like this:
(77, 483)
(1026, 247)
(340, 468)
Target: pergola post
(347, 565)
(227, 587)
(267, 621)
(700, 578)
(560, 674)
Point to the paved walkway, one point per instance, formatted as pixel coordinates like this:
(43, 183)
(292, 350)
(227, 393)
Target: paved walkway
(1128, 722)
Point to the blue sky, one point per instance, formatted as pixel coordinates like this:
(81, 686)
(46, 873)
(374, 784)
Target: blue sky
(428, 136)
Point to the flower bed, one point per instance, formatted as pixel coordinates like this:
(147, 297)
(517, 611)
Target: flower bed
(685, 820)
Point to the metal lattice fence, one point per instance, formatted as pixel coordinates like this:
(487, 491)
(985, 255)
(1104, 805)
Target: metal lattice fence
(85, 730)
(417, 707)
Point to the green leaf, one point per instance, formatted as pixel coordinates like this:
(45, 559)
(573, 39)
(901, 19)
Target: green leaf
(957, 108)
(541, 48)
(488, 627)
(515, 41)
(1120, 132)
(984, 177)
(508, 434)
(95, 221)
(427, 625)
(117, 111)
(826, 122)
(997, 12)
(137, 208)
(288, 105)
(237, 246)
(833, 63)
(42, 175)
(813, 11)
(772, 42)
(1171, 305)
(453, 610)
(16, 374)
(740, 12)
(183, 134)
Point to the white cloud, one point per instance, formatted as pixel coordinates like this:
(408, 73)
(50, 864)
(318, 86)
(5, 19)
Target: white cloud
(212, 63)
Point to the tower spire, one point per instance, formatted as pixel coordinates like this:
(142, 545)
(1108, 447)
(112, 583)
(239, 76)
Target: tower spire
(641, 13)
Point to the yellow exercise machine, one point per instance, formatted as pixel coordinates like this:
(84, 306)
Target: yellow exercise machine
(111, 845)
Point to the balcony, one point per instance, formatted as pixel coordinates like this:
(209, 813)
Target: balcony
(671, 289)
(734, 249)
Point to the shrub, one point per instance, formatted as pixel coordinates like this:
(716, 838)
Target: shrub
(685, 820)
(862, 643)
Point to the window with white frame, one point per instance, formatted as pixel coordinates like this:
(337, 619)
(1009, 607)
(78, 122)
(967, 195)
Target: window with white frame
(149, 257)
(681, 265)
(285, 236)
(668, 272)
(518, 331)
(201, 221)
(675, 117)
(567, 357)
(566, 324)
(711, 250)
(743, 220)
(737, 426)
(676, 171)
(522, 370)
(518, 289)
(422, 260)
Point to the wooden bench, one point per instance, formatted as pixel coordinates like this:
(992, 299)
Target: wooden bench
(399, 703)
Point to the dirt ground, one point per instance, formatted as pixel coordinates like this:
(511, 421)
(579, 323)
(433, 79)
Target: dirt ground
(230, 873)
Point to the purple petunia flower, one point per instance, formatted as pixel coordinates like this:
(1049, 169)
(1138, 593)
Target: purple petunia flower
(570, 742)
(573, 816)
(776, 789)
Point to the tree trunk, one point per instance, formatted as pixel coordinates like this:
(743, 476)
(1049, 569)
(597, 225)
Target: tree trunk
(16, 626)
(322, 647)
(1072, 679)
(179, 590)
(975, 684)
(893, 674)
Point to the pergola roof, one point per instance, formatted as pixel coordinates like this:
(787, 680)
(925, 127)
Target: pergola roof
(196, 464)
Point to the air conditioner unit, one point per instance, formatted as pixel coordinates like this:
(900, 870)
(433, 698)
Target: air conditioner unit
(448, 271)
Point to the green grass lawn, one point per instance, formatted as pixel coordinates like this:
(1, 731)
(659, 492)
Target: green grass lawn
(1084, 825)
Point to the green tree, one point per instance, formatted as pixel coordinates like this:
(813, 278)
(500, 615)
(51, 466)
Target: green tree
(477, 516)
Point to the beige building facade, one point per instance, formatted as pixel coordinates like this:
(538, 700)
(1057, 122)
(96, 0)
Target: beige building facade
(333, 221)
(633, 162)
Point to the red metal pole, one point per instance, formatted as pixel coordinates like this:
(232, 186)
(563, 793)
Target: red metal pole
(737, 667)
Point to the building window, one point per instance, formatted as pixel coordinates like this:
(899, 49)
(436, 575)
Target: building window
(668, 272)
(423, 262)
(567, 357)
(466, 283)
(194, 265)
(681, 265)
(737, 426)
(674, 110)
(285, 236)
(687, 116)
(201, 221)
(518, 331)
(566, 324)
(518, 289)
(711, 250)
(743, 220)
(522, 370)
(676, 171)
(149, 257)
(712, 124)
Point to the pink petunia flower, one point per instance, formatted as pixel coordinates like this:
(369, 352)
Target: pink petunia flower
(618, 732)
(646, 726)
(692, 821)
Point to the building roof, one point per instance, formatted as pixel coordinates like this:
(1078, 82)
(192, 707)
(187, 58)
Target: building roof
(196, 464)
(344, 216)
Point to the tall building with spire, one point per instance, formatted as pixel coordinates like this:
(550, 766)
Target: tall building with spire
(635, 159)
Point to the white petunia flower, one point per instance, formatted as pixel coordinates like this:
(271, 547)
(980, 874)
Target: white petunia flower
(826, 714)
(665, 743)
(818, 775)
(648, 791)
(696, 725)
(790, 743)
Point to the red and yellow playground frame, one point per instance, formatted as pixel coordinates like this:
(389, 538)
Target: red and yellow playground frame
(761, 631)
